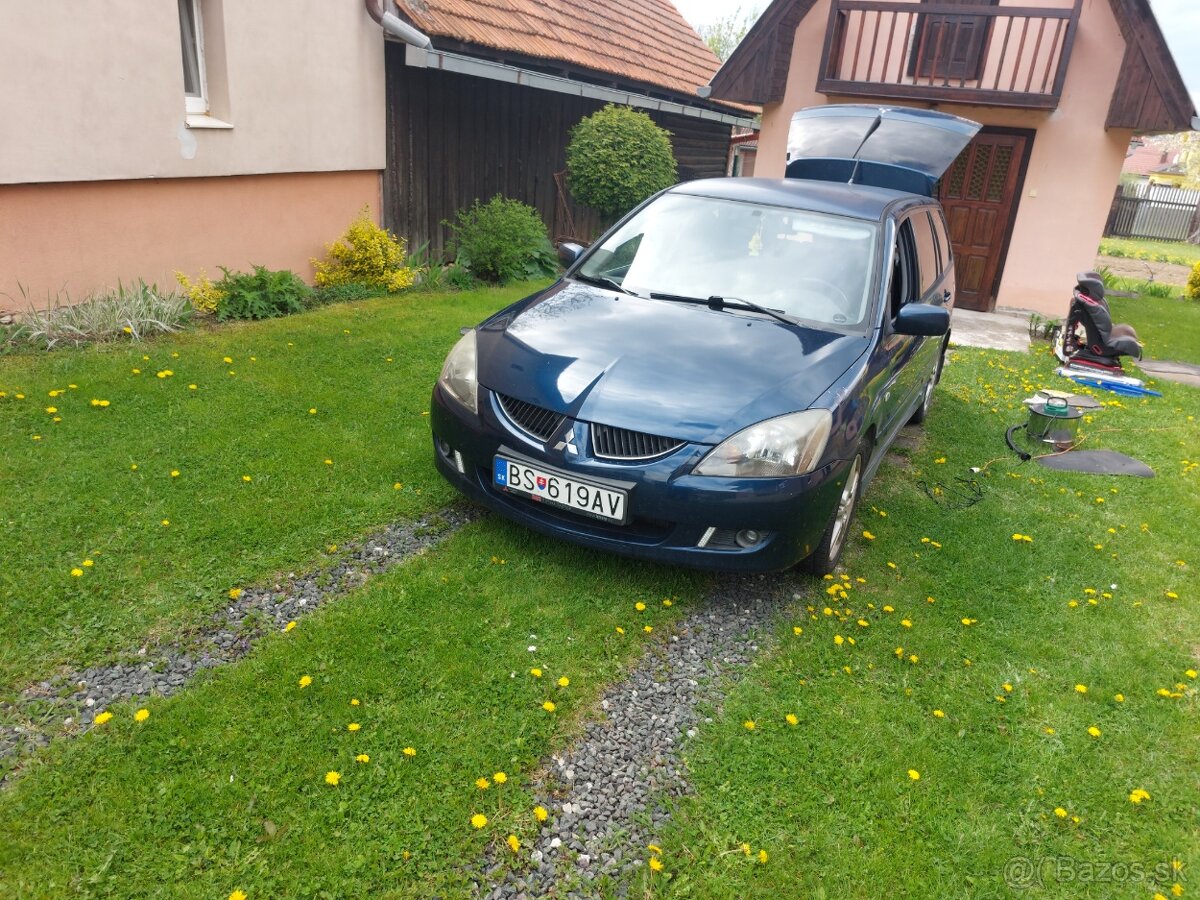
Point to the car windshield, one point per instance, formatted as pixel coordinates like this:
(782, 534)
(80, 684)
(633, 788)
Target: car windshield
(806, 265)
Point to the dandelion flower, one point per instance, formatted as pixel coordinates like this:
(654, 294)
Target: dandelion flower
(333, 778)
(410, 751)
(174, 473)
(539, 813)
(354, 701)
(913, 658)
(914, 774)
(52, 409)
(791, 719)
(762, 856)
(482, 783)
(640, 606)
(620, 630)
(868, 536)
(289, 626)
(1007, 688)
(1190, 673)
(141, 715)
(499, 778)
(1094, 731)
(889, 609)
(1081, 688)
(749, 725)
(362, 758)
(839, 640)
(234, 593)
(1138, 795)
(513, 843)
(227, 359)
(166, 522)
(1120, 698)
(907, 623)
(305, 681)
(478, 820)
(938, 714)
(536, 673)
(656, 864)
(1060, 812)
(247, 478)
(564, 681)
(102, 717)
(647, 628)
(313, 411)
(667, 603)
(237, 895)
(76, 573)
(549, 706)
(353, 726)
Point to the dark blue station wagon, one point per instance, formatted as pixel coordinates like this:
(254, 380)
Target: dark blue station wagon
(714, 382)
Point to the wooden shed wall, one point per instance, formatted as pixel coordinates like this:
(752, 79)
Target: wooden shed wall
(452, 139)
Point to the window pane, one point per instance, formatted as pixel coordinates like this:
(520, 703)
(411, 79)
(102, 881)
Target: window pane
(926, 255)
(191, 49)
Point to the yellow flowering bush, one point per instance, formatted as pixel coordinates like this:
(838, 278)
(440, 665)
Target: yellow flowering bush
(201, 293)
(1193, 285)
(366, 254)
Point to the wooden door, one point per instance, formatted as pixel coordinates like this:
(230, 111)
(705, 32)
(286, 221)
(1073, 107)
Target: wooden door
(980, 194)
(950, 47)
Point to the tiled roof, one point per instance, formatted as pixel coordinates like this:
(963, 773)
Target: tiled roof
(645, 41)
(1146, 159)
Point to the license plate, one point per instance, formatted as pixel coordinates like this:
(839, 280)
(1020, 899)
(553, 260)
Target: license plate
(556, 489)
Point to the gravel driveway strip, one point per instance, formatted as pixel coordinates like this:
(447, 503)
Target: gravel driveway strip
(607, 794)
(69, 703)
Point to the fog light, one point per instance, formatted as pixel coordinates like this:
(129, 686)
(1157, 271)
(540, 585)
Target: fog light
(748, 537)
(443, 447)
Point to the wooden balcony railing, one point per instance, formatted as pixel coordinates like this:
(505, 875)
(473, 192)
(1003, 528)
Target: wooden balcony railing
(957, 51)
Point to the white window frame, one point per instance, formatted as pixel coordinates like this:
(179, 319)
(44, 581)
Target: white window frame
(197, 104)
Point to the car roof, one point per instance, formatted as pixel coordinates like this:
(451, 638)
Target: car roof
(854, 200)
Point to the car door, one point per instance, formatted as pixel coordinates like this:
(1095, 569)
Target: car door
(894, 351)
(937, 289)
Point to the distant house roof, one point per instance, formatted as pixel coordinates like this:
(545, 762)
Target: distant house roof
(1145, 159)
(644, 41)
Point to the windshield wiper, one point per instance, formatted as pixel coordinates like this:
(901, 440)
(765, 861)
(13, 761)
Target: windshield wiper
(604, 281)
(719, 303)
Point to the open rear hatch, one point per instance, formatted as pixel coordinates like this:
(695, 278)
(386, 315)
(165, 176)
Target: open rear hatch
(890, 147)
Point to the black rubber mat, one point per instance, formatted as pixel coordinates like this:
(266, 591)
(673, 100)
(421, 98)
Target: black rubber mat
(1097, 462)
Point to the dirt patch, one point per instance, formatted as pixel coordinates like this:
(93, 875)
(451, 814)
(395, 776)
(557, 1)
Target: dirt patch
(1145, 270)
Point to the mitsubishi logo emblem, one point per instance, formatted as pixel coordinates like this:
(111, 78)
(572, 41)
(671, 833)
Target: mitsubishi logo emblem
(568, 442)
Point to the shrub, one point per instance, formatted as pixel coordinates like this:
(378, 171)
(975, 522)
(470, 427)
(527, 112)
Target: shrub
(203, 294)
(1154, 289)
(617, 157)
(503, 240)
(261, 294)
(1193, 285)
(365, 254)
(343, 293)
(127, 312)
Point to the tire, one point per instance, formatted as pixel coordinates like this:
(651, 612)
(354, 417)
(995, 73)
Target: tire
(833, 540)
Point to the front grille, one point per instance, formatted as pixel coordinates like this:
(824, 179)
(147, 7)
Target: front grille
(618, 443)
(536, 422)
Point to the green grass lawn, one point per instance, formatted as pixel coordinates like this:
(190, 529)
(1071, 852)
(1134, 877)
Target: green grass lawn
(223, 787)
(948, 612)
(1178, 252)
(263, 483)
(1169, 328)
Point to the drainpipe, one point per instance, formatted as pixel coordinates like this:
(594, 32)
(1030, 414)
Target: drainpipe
(395, 26)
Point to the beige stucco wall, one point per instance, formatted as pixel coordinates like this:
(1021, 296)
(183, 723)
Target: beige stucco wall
(1073, 170)
(92, 91)
(79, 237)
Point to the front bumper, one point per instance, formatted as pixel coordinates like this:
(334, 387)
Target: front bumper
(671, 512)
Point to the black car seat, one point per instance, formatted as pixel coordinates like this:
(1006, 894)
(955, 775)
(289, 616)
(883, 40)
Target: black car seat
(1090, 337)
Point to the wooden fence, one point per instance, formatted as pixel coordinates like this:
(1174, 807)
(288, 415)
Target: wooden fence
(1155, 212)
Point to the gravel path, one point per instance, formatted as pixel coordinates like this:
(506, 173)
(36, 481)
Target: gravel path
(70, 702)
(607, 794)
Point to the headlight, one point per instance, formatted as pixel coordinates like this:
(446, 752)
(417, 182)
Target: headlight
(458, 373)
(776, 448)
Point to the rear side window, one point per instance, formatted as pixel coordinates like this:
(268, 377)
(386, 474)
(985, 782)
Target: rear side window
(945, 254)
(927, 256)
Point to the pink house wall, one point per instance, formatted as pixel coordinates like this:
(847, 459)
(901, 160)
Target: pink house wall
(79, 237)
(1073, 170)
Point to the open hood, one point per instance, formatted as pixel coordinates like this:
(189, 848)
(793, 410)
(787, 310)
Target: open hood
(890, 147)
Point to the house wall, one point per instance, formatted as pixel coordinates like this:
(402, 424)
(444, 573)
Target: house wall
(94, 91)
(1075, 162)
(76, 237)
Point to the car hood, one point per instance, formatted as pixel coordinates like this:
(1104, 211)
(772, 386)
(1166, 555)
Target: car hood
(674, 369)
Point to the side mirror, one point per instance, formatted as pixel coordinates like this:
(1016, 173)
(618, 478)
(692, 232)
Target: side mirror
(568, 253)
(922, 319)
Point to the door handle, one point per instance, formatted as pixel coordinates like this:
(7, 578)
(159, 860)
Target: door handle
(946, 296)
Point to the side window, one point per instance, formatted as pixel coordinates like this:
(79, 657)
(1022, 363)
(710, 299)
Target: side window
(945, 252)
(903, 288)
(927, 256)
